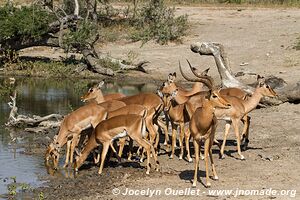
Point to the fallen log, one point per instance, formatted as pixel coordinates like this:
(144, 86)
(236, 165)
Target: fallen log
(16, 120)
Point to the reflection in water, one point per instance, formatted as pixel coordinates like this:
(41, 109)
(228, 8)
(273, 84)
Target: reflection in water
(42, 97)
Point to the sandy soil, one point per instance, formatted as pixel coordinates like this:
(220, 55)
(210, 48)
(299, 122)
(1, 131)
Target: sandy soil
(264, 38)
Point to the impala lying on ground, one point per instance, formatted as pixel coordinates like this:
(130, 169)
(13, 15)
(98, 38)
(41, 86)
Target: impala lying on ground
(116, 127)
(202, 128)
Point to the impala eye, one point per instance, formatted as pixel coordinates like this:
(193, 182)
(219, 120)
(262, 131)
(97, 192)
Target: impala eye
(214, 96)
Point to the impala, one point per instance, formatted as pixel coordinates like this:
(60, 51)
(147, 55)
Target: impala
(95, 94)
(130, 109)
(240, 109)
(202, 127)
(119, 126)
(72, 125)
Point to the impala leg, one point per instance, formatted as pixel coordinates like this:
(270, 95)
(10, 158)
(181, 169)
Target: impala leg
(164, 126)
(122, 142)
(206, 152)
(114, 151)
(146, 147)
(103, 156)
(130, 149)
(74, 143)
(201, 154)
(67, 153)
(157, 137)
(187, 144)
(150, 127)
(96, 157)
(245, 134)
(196, 146)
(238, 139)
(227, 128)
(211, 142)
(181, 136)
(174, 128)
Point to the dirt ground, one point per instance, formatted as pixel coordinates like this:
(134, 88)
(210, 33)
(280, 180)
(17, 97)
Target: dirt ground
(264, 38)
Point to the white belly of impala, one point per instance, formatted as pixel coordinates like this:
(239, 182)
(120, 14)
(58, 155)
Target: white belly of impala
(120, 135)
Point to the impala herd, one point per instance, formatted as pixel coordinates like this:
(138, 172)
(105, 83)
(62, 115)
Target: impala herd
(119, 118)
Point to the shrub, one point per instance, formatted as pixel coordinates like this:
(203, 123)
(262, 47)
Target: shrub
(27, 22)
(158, 22)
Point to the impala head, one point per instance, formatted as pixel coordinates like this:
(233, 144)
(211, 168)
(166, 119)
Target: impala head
(53, 153)
(171, 77)
(264, 88)
(167, 98)
(217, 101)
(167, 87)
(93, 92)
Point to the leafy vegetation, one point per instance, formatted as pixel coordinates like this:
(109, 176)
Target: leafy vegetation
(158, 22)
(26, 22)
(40, 68)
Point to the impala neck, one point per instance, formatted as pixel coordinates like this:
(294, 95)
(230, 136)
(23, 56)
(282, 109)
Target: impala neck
(181, 99)
(251, 103)
(99, 98)
(208, 110)
(92, 143)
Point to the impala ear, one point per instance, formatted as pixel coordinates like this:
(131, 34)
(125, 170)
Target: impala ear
(100, 84)
(159, 93)
(171, 77)
(260, 80)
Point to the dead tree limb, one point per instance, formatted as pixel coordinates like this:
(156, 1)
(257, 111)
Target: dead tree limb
(17, 120)
(286, 93)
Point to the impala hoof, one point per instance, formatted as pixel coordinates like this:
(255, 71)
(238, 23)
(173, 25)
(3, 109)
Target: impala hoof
(222, 156)
(208, 184)
(215, 178)
(190, 160)
(194, 185)
(147, 173)
(242, 157)
(202, 157)
(171, 157)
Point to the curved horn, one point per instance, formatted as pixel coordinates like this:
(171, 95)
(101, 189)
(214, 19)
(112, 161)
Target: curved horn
(202, 80)
(207, 80)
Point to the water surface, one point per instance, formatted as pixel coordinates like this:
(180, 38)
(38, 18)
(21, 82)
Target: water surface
(42, 97)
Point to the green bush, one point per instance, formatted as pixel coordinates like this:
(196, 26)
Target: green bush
(157, 21)
(26, 22)
(81, 36)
